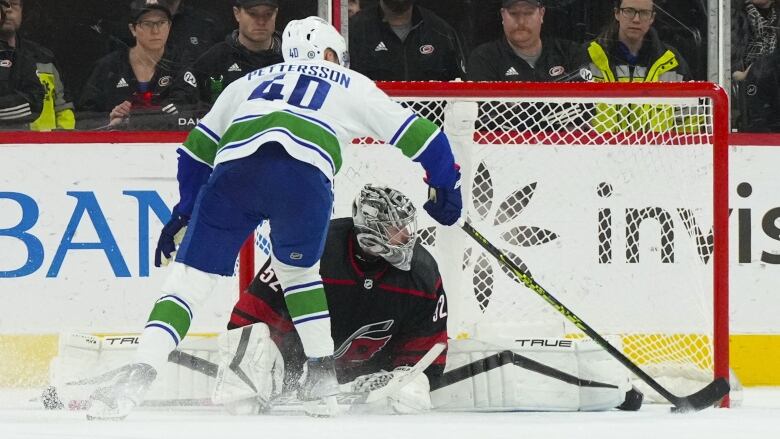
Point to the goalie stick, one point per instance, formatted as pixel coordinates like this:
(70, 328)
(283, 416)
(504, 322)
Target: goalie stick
(702, 399)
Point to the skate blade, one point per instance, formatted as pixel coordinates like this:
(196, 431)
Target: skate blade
(326, 407)
(100, 411)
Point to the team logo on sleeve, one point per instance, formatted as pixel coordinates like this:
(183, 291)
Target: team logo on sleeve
(556, 70)
(164, 81)
(189, 78)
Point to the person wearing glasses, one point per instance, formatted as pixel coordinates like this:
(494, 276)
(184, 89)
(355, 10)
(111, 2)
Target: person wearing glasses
(132, 85)
(630, 50)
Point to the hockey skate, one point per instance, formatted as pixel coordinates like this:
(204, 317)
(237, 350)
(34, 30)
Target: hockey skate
(320, 387)
(115, 402)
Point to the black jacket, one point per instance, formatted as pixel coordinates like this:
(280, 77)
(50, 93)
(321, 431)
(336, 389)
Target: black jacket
(198, 86)
(559, 61)
(761, 91)
(431, 51)
(21, 93)
(381, 317)
(112, 82)
(193, 32)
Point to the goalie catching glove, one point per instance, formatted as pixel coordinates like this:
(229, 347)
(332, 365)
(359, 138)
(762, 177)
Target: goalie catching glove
(414, 397)
(170, 238)
(251, 370)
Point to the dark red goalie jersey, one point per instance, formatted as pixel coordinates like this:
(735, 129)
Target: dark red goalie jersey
(381, 317)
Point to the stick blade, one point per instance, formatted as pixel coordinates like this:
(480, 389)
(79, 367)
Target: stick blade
(706, 397)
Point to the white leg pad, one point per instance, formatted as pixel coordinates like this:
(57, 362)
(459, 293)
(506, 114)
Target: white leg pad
(510, 387)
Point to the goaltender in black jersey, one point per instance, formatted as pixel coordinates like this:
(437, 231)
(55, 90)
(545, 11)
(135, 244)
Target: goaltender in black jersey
(382, 317)
(388, 309)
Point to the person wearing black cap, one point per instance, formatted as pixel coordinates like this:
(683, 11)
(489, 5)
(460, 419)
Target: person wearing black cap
(133, 85)
(21, 94)
(521, 54)
(400, 41)
(253, 45)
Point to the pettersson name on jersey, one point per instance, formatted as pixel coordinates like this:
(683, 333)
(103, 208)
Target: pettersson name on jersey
(318, 71)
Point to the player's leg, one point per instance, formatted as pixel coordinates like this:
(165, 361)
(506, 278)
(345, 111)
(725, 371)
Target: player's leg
(299, 212)
(225, 213)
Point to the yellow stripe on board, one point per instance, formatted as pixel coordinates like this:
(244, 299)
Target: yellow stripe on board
(24, 359)
(755, 358)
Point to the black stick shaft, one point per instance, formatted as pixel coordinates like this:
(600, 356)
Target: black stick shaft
(694, 402)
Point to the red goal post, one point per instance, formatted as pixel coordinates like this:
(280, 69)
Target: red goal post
(594, 169)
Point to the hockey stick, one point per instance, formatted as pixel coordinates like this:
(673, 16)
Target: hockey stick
(702, 399)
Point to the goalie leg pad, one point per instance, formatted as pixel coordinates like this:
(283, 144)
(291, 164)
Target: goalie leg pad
(554, 375)
(251, 370)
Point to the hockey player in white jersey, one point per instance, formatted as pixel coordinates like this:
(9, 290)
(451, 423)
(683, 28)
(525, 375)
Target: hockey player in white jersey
(269, 150)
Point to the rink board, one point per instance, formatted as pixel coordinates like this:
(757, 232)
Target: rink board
(84, 223)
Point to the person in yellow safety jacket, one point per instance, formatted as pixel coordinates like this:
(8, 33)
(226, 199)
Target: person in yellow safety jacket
(630, 50)
(57, 110)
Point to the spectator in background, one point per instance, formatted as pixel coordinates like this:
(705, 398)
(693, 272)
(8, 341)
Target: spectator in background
(762, 95)
(629, 50)
(522, 55)
(397, 40)
(132, 86)
(57, 112)
(253, 45)
(193, 32)
(754, 31)
(353, 7)
(21, 93)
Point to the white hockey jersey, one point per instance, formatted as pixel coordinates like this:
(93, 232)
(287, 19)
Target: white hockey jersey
(311, 108)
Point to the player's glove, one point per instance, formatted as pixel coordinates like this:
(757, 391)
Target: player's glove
(170, 238)
(445, 203)
(414, 397)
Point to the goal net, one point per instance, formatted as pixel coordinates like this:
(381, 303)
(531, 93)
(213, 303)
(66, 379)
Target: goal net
(612, 198)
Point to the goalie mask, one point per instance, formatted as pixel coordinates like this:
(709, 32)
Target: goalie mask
(385, 224)
(307, 40)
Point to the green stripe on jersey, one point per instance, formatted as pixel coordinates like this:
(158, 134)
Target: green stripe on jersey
(306, 302)
(201, 146)
(305, 130)
(416, 136)
(173, 314)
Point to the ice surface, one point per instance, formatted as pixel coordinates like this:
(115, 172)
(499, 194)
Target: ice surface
(758, 417)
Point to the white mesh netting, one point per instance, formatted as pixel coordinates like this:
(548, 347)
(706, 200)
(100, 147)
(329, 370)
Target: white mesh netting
(606, 201)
